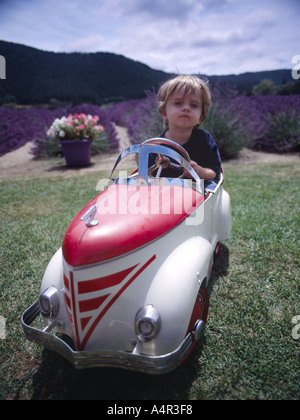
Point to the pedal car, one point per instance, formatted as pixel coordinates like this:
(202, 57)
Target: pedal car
(128, 286)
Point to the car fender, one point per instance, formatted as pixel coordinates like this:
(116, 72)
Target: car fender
(175, 286)
(53, 276)
(222, 216)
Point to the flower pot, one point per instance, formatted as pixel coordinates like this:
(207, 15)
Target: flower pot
(77, 152)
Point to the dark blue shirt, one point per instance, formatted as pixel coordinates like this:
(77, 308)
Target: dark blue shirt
(202, 149)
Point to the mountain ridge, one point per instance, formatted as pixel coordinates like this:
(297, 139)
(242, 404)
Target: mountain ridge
(35, 76)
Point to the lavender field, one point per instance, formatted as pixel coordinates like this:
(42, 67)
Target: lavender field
(265, 123)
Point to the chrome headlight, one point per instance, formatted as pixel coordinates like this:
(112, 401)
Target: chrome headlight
(147, 323)
(49, 303)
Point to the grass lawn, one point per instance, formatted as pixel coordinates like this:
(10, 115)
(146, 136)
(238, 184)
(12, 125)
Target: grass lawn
(248, 351)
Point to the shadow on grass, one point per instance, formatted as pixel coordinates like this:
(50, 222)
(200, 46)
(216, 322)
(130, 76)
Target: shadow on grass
(65, 168)
(57, 379)
(220, 267)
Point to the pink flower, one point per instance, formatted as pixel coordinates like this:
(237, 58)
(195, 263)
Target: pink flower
(76, 125)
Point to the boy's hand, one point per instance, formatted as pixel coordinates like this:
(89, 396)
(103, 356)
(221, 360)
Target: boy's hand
(194, 165)
(203, 173)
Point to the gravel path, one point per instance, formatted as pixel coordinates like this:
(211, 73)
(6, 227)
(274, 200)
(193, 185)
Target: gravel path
(20, 163)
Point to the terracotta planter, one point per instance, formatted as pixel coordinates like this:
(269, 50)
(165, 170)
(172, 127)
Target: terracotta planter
(77, 152)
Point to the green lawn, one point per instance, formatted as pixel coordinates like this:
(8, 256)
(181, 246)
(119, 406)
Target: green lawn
(248, 351)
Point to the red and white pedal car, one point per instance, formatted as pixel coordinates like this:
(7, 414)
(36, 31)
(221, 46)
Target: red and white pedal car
(128, 286)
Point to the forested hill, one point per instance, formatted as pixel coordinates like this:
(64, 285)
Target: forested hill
(34, 76)
(246, 81)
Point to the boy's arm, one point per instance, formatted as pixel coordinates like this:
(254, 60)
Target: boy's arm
(203, 173)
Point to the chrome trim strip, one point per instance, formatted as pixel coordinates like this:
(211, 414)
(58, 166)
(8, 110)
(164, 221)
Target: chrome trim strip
(154, 146)
(161, 140)
(83, 359)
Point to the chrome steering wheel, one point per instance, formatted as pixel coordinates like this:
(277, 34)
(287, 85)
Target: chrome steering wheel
(166, 158)
(162, 161)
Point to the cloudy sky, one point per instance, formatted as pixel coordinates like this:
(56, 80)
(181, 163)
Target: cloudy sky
(210, 37)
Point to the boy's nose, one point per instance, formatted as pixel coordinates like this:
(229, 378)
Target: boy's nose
(186, 107)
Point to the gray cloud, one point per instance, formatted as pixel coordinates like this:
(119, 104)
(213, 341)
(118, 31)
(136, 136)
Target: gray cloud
(208, 36)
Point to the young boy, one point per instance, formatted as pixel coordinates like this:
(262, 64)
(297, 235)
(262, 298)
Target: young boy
(184, 103)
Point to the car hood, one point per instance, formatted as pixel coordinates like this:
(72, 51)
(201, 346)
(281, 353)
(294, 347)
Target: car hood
(128, 217)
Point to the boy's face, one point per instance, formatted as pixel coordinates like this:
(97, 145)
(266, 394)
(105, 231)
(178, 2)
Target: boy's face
(183, 111)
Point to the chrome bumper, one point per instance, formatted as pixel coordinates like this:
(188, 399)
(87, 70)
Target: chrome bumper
(121, 359)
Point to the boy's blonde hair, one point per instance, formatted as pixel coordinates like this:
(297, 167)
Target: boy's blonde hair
(191, 85)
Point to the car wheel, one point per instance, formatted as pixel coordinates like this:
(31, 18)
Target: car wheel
(199, 314)
(203, 304)
(217, 249)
